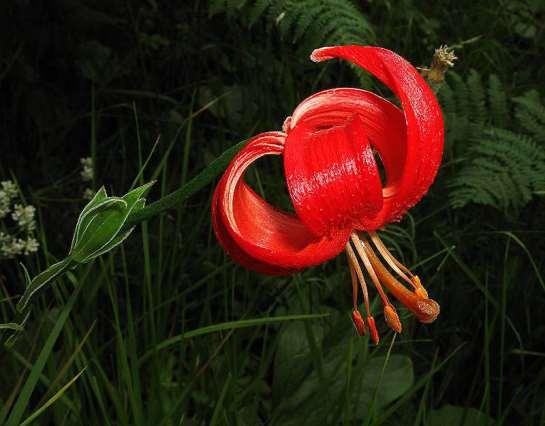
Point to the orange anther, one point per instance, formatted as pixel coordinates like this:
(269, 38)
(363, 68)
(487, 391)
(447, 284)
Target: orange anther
(373, 329)
(359, 324)
(419, 289)
(392, 319)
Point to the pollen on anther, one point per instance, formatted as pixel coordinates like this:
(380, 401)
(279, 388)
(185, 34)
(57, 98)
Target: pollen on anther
(359, 324)
(373, 330)
(392, 318)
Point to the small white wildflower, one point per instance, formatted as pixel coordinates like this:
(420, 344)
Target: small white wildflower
(9, 189)
(88, 194)
(87, 173)
(4, 205)
(31, 245)
(12, 247)
(4, 238)
(24, 216)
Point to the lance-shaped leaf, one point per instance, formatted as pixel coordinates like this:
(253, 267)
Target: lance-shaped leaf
(35, 284)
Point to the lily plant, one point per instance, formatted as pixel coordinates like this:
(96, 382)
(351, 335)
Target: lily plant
(330, 147)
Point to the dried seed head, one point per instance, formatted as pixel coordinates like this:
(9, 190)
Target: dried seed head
(442, 60)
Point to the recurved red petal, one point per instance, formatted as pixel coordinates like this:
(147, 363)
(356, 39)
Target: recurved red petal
(257, 235)
(332, 176)
(383, 122)
(423, 118)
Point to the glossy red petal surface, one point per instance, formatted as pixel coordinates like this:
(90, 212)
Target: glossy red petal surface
(332, 176)
(424, 123)
(383, 122)
(254, 233)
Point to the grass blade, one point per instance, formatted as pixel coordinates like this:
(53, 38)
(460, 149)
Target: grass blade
(228, 326)
(26, 392)
(51, 400)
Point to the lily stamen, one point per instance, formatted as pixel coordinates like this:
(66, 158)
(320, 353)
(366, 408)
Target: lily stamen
(398, 267)
(395, 264)
(390, 314)
(426, 310)
(356, 275)
(417, 301)
(359, 245)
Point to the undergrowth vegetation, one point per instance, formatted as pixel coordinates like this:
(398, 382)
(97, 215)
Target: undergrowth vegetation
(166, 329)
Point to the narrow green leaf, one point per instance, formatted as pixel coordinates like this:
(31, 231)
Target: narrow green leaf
(51, 400)
(219, 405)
(451, 415)
(26, 392)
(231, 325)
(42, 279)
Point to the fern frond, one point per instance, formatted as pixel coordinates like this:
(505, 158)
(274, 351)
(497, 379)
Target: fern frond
(477, 98)
(257, 10)
(504, 171)
(461, 94)
(316, 22)
(497, 99)
(530, 113)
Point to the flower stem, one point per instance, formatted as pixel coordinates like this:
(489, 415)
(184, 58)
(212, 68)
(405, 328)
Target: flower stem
(214, 169)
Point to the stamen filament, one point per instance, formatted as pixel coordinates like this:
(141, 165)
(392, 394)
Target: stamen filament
(359, 245)
(354, 286)
(425, 309)
(355, 269)
(395, 264)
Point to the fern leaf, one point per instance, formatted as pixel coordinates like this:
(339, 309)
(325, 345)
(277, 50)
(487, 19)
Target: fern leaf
(257, 10)
(461, 94)
(477, 97)
(530, 113)
(498, 102)
(503, 171)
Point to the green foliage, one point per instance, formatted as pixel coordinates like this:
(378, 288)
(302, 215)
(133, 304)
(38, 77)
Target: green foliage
(371, 382)
(450, 415)
(500, 168)
(100, 228)
(505, 170)
(318, 22)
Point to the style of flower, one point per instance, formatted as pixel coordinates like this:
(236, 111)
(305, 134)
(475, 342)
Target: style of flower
(331, 147)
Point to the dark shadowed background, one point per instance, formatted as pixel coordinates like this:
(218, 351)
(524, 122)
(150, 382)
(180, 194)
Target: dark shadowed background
(104, 79)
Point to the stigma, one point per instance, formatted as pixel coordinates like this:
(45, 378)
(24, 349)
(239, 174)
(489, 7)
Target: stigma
(384, 271)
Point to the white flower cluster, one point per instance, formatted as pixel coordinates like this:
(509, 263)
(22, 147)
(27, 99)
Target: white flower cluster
(8, 191)
(24, 216)
(16, 237)
(87, 174)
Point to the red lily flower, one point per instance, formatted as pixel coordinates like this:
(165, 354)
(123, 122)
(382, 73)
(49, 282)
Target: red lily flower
(329, 146)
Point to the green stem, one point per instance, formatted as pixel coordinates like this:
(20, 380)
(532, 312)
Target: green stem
(214, 169)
